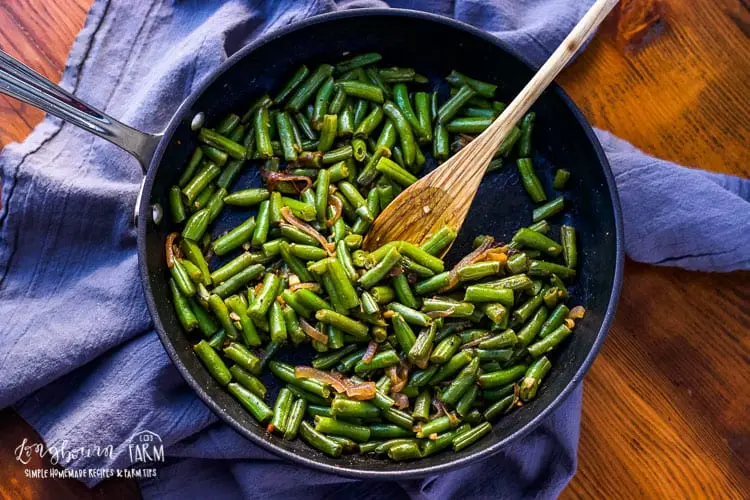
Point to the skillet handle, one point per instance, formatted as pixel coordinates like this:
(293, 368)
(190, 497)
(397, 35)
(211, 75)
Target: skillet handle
(21, 82)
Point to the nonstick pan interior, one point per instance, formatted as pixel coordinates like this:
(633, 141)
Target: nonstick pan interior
(434, 46)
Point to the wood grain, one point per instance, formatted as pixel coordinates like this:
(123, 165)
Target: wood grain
(666, 402)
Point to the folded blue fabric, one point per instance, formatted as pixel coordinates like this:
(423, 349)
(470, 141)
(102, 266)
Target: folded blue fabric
(78, 355)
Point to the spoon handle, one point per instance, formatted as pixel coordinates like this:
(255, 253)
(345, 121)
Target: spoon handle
(496, 133)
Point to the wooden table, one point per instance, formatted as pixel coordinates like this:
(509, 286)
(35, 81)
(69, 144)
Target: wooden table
(666, 403)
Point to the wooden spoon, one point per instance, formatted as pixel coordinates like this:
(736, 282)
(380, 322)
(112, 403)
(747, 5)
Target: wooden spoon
(443, 197)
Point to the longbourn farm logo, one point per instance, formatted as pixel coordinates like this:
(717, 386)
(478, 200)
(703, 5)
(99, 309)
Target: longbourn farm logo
(146, 447)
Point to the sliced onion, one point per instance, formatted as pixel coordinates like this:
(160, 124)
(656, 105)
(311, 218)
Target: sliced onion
(476, 341)
(338, 209)
(320, 376)
(169, 247)
(471, 258)
(288, 216)
(372, 348)
(441, 314)
(272, 178)
(313, 332)
(439, 408)
(361, 392)
(304, 286)
(401, 400)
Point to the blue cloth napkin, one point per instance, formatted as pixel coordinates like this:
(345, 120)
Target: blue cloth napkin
(78, 355)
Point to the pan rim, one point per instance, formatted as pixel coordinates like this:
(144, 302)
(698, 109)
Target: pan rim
(410, 470)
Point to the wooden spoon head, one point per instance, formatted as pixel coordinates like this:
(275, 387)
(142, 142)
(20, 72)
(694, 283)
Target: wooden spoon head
(441, 198)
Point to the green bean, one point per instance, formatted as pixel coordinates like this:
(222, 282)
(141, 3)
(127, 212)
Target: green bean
(378, 272)
(277, 323)
(403, 291)
(176, 208)
(249, 333)
(296, 265)
(257, 408)
(561, 179)
(234, 283)
(422, 406)
(530, 181)
(286, 136)
(306, 90)
(358, 61)
(398, 417)
(200, 181)
(243, 357)
(437, 282)
(461, 383)
(294, 420)
(538, 241)
(508, 338)
(265, 297)
(479, 270)
(480, 293)
(370, 172)
(394, 172)
(404, 333)
(441, 144)
(281, 409)
(469, 124)
(549, 342)
(484, 89)
(411, 316)
(533, 377)
(396, 74)
(217, 156)
(191, 168)
(248, 381)
(452, 366)
(404, 131)
(362, 90)
(382, 359)
(467, 438)
(370, 122)
(182, 308)
(453, 308)
(262, 125)
(286, 373)
(206, 322)
(439, 241)
(404, 451)
(234, 238)
(424, 115)
(203, 197)
(341, 407)
(442, 441)
(354, 328)
(465, 404)
(527, 127)
(319, 441)
(445, 349)
(347, 293)
(449, 109)
(382, 294)
(327, 425)
(554, 320)
(549, 209)
(218, 141)
(337, 155)
(307, 252)
(544, 269)
(570, 250)
(182, 279)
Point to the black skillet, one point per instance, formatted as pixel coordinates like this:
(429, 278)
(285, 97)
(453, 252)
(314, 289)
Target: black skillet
(433, 45)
